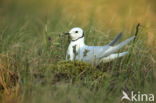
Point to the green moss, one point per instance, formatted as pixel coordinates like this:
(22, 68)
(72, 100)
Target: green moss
(67, 70)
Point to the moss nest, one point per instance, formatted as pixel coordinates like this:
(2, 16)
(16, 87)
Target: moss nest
(67, 70)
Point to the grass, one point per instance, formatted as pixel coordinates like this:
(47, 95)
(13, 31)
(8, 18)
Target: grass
(32, 51)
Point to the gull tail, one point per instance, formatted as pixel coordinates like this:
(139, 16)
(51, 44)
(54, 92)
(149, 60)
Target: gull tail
(113, 49)
(113, 56)
(115, 40)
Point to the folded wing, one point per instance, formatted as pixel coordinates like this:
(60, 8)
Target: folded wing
(105, 52)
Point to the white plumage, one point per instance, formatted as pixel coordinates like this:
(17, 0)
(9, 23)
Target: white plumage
(78, 50)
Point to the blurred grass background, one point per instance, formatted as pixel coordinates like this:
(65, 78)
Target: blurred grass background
(32, 52)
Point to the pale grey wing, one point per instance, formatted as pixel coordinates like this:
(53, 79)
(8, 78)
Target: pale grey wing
(113, 49)
(115, 40)
(98, 51)
(93, 52)
(113, 56)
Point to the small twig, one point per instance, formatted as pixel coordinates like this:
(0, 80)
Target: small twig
(136, 34)
(69, 39)
(137, 30)
(63, 44)
(75, 53)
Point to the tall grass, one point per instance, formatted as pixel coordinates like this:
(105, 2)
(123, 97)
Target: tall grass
(32, 51)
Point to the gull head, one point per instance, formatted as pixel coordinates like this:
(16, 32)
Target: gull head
(75, 33)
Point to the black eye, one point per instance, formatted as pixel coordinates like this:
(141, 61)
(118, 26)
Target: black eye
(76, 31)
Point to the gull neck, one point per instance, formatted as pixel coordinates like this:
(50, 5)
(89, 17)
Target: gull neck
(78, 38)
(79, 42)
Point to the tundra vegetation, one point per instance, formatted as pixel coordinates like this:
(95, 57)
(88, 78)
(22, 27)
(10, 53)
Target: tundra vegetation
(32, 50)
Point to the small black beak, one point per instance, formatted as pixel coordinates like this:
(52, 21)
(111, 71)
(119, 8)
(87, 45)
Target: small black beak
(66, 33)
